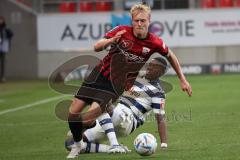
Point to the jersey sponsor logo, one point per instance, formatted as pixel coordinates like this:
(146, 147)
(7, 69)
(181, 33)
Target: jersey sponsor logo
(123, 47)
(131, 57)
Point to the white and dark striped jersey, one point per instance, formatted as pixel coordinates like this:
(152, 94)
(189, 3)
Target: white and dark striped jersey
(143, 97)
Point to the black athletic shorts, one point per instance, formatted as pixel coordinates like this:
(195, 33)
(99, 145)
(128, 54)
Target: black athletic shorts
(97, 88)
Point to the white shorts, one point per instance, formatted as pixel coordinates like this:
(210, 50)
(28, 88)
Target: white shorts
(123, 121)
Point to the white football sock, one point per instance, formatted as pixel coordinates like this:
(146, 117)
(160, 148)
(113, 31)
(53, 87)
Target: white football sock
(106, 123)
(94, 147)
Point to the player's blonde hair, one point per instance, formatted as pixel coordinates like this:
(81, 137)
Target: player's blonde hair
(140, 8)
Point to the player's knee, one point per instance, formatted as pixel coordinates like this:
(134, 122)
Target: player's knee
(77, 106)
(84, 138)
(89, 124)
(74, 118)
(89, 118)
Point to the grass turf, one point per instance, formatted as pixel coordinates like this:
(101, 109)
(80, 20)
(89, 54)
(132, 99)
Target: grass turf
(205, 126)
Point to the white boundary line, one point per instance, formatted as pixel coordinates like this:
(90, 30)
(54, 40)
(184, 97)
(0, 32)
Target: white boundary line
(31, 104)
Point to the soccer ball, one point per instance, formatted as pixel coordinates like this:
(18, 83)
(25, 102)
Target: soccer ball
(145, 144)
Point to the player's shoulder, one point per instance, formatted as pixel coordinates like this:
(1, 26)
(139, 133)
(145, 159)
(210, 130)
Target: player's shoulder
(155, 39)
(115, 30)
(121, 27)
(158, 43)
(127, 28)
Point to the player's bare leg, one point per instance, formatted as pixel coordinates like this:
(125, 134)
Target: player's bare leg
(78, 123)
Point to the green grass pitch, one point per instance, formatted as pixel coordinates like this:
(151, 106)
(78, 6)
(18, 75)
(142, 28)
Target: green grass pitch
(205, 126)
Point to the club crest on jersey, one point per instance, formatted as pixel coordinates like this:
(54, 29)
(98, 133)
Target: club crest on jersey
(145, 50)
(126, 44)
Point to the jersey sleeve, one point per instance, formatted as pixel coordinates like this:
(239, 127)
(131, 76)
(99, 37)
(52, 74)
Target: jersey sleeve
(158, 104)
(112, 32)
(161, 48)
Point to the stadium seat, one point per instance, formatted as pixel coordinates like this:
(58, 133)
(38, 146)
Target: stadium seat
(208, 3)
(238, 3)
(86, 6)
(67, 7)
(103, 6)
(226, 3)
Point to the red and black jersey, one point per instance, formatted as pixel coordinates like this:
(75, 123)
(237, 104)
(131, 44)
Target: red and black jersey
(134, 51)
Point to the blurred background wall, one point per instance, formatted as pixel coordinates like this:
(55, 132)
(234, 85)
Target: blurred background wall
(32, 24)
(22, 60)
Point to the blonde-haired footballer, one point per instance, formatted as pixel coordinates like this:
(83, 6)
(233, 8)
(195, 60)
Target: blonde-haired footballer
(145, 95)
(130, 48)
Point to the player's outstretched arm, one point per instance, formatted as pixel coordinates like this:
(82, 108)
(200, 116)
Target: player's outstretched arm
(186, 87)
(104, 43)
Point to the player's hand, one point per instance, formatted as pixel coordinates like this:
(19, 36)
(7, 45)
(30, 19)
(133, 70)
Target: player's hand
(118, 35)
(186, 87)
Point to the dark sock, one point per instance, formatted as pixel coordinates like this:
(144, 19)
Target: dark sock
(76, 127)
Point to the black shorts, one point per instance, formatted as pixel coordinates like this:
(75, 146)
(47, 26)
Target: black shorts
(97, 88)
